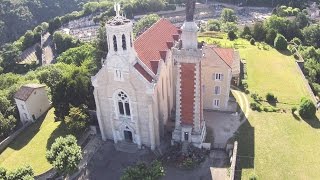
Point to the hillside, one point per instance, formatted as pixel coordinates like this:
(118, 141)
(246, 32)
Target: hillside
(17, 16)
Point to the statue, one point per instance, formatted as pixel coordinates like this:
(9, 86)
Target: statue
(190, 8)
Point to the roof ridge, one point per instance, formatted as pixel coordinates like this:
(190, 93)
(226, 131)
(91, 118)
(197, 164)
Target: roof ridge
(154, 24)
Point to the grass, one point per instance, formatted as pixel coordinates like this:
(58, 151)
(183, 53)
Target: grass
(30, 146)
(275, 145)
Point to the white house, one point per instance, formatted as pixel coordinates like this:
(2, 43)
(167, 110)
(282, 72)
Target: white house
(32, 102)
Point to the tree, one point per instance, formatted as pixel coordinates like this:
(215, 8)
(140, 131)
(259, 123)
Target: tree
(297, 41)
(229, 26)
(246, 32)
(7, 125)
(252, 41)
(307, 108)
(213, 25)
(142, 171)
(25, 173)
(144, 23)
(10, 56)
(64, 154)
(232, 36)
(312, 34)
(228, 15)
(259, 32)
(54, 25)
(271, 36)
(301, 20)
(101, 46)
(280, 43)
(64, 42)
(77, 120)
(28, 40)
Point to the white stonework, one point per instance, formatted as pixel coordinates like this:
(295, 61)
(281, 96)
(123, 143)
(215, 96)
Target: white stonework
(133, 109)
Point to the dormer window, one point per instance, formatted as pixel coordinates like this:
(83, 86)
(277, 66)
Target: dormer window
(124, 42)
(115, 45)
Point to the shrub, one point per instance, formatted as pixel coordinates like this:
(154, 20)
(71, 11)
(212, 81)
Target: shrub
(231, 35)
(248, 37)
(255, 106)
(252, 41)
(253, 177)
(144, 172)
(297, 41)
(246, 32)
(64, 154)
(271, 36)
(271, 97)
(307, 108)
(25, 173)
(280, 43)
(3, 173)
(294, 109)
(7, 125)
(77, 120)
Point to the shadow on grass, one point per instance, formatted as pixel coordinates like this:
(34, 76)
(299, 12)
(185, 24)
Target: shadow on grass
(60, 131)
(296, 117)
(26, 136)
(286, 52)
(245, 156)
(313, 122)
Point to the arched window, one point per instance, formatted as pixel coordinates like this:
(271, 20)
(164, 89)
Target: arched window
(123, 104)
(115, 45)
(124, 42)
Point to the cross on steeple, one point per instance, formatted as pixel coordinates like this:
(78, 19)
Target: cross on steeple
(117, 8)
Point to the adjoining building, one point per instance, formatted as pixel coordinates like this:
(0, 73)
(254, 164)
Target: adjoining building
(162, 75)
(32, 102)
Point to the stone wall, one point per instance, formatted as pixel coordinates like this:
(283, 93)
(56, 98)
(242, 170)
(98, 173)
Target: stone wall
(4, 144)
(233, 161)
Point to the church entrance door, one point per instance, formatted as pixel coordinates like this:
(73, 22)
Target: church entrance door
(186, 136)
(128, 136)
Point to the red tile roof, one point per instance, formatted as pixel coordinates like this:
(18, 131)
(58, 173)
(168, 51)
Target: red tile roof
(25, 91)
(143, 72)
(151, 45)
(187, 92)
(226, 54)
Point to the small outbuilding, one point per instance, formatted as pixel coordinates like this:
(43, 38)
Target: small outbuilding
(32, 102)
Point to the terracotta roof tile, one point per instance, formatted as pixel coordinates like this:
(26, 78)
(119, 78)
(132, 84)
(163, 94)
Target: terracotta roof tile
(187, 92)
(149, 44)
(26, 90)
(226, 54)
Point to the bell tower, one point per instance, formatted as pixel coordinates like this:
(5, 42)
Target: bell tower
(119, 34)
(190, 125)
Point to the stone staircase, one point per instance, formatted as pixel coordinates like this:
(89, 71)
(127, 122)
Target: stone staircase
(127, 147)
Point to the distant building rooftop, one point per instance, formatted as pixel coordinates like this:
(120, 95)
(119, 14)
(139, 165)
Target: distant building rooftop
(26, 90)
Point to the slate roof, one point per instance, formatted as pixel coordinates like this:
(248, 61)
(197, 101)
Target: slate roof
(153, 44)
(26, 90)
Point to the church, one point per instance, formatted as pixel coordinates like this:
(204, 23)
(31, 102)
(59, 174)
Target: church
(162, 75)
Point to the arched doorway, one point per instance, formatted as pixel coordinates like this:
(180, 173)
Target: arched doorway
(128, 136)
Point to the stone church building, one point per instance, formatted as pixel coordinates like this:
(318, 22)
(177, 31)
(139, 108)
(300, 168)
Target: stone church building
(161, 75)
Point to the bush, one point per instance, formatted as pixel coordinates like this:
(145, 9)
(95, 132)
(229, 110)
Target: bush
(232, 36)
(271, 36)
(280, 43)
(246, 32)
(7, 125)
(307, 108)
(294, 109)
(142, 171)
(77, 120)
(271, 97)
(255, 106)
(252, 41)
(25, 173)
(256, 97)
(64, 154)
(297, 41)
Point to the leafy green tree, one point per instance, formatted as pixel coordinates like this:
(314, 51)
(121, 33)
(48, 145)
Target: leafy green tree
(228, 15)
(232, 36)
(312, 34)
(144, 172)
(213, 25)
(24, 173)
(259, 32)
(10, 56)
(246, 31)
(297, 41)
(28, 40)
(307, 108)
(101, 46)
(7, 125)
(271, 36)
(64, 154)
(63, 42)
(144, 23)
(77, 120)
(280, 43)
(54, 25)
(229, 26)
(3, 173)
(301, 20)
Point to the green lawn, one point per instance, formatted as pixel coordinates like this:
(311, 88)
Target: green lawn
(30, 146)
(276, 145)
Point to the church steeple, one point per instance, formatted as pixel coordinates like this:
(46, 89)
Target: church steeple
(119, 34)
